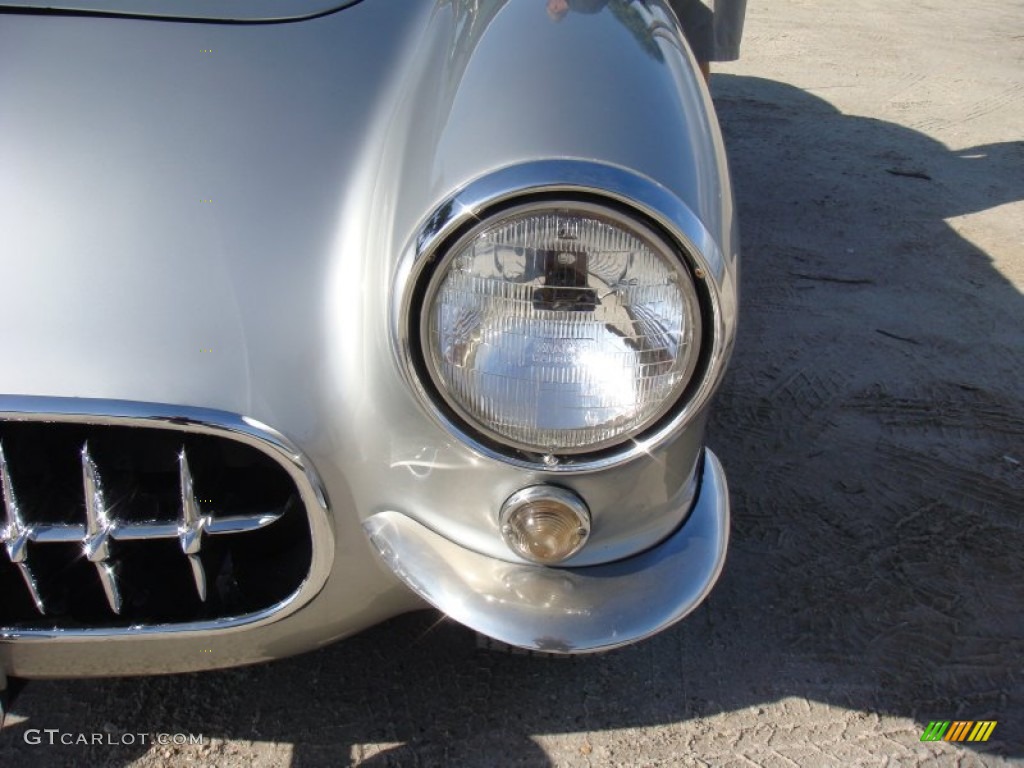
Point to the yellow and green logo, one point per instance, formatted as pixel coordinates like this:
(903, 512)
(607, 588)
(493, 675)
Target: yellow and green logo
(959, 730)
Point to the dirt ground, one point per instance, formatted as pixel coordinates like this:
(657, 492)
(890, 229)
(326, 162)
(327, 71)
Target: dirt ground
(872, 426)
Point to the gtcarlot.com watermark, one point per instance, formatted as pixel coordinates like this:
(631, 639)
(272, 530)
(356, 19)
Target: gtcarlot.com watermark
(55, 736)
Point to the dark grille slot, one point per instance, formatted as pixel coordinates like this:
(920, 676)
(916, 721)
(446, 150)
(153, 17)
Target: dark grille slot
(107, 526)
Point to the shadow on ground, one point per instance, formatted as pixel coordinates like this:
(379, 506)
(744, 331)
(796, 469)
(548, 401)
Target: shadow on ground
(872, 427)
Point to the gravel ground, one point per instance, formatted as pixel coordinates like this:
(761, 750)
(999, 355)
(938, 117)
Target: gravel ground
(872, 426)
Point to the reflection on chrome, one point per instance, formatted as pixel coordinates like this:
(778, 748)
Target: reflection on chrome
(547, 589)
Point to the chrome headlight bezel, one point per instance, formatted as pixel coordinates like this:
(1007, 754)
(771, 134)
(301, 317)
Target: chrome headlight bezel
(616, 194)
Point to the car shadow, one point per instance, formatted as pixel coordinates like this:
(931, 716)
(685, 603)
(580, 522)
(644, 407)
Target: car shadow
(871, 427)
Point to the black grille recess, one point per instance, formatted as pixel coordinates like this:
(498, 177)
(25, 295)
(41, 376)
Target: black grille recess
(118, 526)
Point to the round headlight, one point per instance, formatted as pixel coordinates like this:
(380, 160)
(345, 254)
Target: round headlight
(561, 327)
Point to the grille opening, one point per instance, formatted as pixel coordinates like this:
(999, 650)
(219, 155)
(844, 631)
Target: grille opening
(255, 545)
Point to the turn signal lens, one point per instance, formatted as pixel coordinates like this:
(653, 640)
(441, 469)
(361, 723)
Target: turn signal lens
(545, 524)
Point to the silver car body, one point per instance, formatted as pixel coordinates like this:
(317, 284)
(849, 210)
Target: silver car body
(211, 227)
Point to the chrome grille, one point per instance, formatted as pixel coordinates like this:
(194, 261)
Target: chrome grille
(140, 521)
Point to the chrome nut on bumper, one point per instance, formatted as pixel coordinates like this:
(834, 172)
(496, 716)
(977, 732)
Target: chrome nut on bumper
(565, 610)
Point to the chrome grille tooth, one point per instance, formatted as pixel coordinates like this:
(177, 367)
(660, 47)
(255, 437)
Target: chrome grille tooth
(240, 523)
(199, 575)
(191, 524)
(108, 578)
(98, 530)
(33, 588)
(11, 513)
(97, 524)
(16, 534)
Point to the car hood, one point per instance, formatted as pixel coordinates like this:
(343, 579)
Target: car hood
(173, 198)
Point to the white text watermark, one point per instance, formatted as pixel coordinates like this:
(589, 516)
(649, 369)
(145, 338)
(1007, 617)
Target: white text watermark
(55, 736)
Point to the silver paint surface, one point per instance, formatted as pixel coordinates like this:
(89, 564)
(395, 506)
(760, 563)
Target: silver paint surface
(224, 230)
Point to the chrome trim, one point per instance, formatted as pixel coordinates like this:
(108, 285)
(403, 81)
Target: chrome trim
(565, 610)
(190, 529)
(598, 182)
(16, 535)
(99, 529)
(69, 533)
(535, 493)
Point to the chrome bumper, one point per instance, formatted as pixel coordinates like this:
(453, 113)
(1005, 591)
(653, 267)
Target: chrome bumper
(563, 610)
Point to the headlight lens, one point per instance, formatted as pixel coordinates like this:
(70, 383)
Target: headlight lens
(560, 327)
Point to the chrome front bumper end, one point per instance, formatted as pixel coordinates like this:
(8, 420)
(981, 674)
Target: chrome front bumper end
(565, 610)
